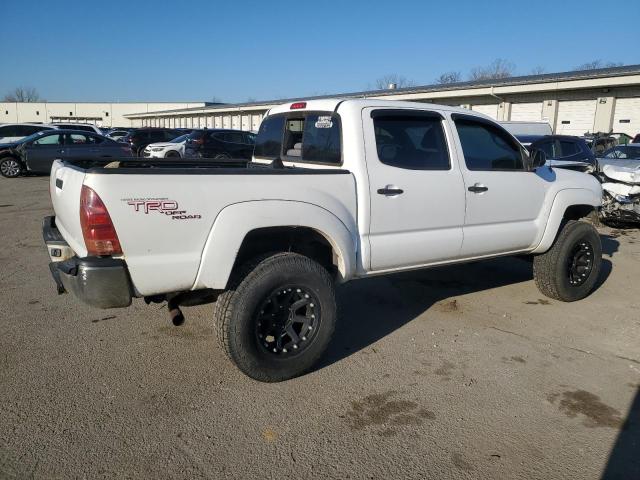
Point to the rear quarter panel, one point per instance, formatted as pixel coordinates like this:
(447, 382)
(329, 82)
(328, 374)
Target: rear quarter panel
(163, 221)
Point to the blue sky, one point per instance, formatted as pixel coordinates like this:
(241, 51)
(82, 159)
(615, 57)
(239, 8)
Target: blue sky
(235, 51)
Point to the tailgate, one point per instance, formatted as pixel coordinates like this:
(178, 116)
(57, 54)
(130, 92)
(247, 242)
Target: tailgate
(65, 186)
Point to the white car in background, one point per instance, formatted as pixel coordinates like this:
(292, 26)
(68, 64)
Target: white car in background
(172, 149)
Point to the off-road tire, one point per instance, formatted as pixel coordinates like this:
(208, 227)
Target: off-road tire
(11, 167)
(551, 270)
(236, 314)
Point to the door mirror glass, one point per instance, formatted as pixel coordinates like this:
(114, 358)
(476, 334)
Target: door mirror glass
(538, 158)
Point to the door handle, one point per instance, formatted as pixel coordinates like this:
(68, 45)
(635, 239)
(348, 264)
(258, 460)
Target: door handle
(390, 190)
(478, 188)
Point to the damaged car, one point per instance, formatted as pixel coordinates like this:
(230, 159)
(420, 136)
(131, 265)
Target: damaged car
(619, 174)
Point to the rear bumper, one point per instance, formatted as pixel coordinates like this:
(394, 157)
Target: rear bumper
(101, 282)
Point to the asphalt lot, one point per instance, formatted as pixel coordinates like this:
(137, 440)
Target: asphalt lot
(463, 372)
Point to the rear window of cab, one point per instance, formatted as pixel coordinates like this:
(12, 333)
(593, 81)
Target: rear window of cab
(300, 137)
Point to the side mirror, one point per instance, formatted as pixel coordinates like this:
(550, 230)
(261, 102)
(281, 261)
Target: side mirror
(538, 158)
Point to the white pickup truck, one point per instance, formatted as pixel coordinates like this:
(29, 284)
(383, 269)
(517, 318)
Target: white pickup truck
(337, 190)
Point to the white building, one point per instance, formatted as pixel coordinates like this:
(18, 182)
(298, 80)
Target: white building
(102, 114)
(573, 103)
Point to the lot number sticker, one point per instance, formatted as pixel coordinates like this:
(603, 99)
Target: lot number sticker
(324, 122)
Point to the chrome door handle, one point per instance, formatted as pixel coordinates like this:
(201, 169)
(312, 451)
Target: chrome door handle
(478, 188)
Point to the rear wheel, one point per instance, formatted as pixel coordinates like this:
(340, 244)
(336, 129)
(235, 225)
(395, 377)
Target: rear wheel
(569, 270)
(11, 167)
(277, 317)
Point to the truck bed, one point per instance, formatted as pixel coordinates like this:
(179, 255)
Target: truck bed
(164, 211)
(170, 166)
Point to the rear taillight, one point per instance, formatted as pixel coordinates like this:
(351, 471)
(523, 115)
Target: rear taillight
(98, 231)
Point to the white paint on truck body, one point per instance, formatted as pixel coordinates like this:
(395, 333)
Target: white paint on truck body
(436, 220)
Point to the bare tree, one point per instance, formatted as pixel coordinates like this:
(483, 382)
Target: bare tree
(538, 70)
(449, 77)
(22, 94)
(595, 64)
(383, 82)
(499, 68)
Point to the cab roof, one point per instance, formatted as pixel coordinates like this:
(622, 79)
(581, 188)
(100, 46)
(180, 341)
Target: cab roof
(331, 104)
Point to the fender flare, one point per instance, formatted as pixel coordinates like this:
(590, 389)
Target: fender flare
(564, 199)
(235, 221)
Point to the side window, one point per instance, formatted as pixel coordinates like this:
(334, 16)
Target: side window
(548, 148)
(77, 139)
(8, 131)
(487, 147)
(54, 139)
(156, 136)
(233, 137)
(31, 129)
(321, 139)
(568, 148)
(269, 139)
(249, 138)
(412, 142)
(170, 135)
(24, 130)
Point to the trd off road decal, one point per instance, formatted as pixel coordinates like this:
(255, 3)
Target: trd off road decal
(163, 206)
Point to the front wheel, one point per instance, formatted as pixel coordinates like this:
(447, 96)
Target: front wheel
(172, 154)
(277, 317)
(10, 167)
(569, 270)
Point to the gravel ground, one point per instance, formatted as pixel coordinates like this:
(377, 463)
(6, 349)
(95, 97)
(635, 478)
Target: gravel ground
(459, 372)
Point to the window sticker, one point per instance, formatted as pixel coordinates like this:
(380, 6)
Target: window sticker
(324, 122)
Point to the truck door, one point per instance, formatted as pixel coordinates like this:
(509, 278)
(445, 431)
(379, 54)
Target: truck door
(504, 198)
(417, 199)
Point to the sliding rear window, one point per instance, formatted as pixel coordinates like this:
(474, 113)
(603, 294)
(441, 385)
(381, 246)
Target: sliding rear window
(301, 136)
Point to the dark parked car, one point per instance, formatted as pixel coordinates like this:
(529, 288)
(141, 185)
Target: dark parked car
(216, 143)
(564, 151)
(139, 138)
(636, 139)
(37, 152)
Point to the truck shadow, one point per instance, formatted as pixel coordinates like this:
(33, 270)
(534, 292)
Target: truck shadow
(373, 308)
(624, 459)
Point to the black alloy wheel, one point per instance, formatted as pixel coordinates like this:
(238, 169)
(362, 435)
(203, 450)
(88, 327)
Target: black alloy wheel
(287, 321)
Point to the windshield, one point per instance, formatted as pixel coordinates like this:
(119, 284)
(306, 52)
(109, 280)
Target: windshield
(33, 136)
(623, 152)
(180, 139)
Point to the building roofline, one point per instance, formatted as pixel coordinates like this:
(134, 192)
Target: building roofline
(120, 103)
(436, 87)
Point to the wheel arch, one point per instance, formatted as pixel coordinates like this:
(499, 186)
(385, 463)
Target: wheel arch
(247, 229)
(568, 204)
